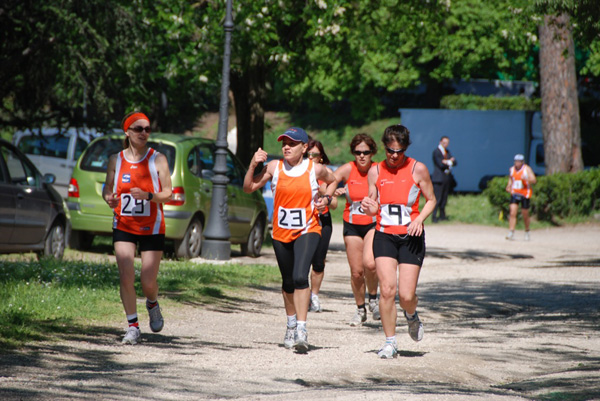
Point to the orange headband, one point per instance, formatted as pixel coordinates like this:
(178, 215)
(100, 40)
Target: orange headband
(133, 118)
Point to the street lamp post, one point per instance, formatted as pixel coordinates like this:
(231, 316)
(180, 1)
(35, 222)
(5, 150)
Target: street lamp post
(216, 244)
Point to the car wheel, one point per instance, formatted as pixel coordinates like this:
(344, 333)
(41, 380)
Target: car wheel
(55, 243)
(191, 244)
(255, 240)
(81, 240)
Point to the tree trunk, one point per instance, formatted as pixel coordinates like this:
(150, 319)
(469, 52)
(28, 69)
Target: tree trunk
(560, 105)
(249, 94)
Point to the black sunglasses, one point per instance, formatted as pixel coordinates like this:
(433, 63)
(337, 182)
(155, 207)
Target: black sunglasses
(362, 152)
(140, 129)
(394, 151)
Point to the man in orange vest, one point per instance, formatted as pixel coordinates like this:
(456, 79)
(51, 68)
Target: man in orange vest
(520, 180)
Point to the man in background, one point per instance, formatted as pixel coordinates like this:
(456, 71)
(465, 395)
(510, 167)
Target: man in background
(520, 180)
(442, 178)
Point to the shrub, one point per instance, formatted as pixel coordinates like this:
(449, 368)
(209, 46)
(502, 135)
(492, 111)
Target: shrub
(560, 195)
(474, 102)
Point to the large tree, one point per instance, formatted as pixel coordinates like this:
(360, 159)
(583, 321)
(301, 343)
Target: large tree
(75, 63)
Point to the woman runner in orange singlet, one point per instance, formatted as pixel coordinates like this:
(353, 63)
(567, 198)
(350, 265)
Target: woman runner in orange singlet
(138, 182)
(296, 229)
(395, 186)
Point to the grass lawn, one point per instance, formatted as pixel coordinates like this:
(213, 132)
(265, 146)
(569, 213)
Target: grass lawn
(46, 299)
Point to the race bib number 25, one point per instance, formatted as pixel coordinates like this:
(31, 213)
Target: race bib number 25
(134, 207)
(292, 219)
(395, 215)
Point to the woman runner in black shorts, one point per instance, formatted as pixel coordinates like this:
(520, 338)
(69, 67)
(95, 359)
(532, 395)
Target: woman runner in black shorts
(138, 182)
(358, 227)
(395, 186)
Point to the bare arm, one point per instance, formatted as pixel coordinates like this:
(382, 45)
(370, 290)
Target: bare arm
(164, 175)
(109, 182)
(531, 178)
(324, 174)
(253, 182)
(423, 180)
(369, 203)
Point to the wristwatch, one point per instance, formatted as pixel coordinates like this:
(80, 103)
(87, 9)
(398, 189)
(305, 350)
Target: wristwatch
(150, 196)
(328, 197)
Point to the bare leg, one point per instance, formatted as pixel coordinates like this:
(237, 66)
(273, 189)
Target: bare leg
(301, 301)
(288, 302)
(386, 272)
(408, 278)
(369, 263)
(512, 220)
(125, 254)
(354, 252)
(316, 279)
(526, 219)
(150, 265)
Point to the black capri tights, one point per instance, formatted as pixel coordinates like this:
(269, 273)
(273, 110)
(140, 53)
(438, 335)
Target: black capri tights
(294, 259)
(318, 262)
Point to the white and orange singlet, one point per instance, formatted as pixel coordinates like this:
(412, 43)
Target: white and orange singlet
(294, 192)
(357, 188)
(137, 216)
(398, 197)
(519, 183)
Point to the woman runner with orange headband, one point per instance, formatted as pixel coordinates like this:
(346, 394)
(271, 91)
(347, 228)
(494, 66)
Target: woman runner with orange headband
(138, 182)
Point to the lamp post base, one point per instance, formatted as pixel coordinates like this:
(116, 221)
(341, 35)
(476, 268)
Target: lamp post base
(216, 250)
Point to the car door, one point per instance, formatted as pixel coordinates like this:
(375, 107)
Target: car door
(33, 208)
(7, 203)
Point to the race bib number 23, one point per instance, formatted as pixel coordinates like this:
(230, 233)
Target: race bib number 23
(292, 219)
(134, 207)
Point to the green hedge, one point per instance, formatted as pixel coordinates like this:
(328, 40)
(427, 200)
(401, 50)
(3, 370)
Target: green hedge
(559, 195)
(474, 102)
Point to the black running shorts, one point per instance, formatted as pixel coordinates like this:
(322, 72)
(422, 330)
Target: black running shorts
(404, 248)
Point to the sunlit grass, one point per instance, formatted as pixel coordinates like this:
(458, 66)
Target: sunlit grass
(42, 299)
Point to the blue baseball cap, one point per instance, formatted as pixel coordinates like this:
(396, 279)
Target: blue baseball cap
(295, 134)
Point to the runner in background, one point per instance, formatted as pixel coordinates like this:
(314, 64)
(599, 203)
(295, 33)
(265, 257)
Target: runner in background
(395, 186)
(296, 229)
(521, 178)
(317, 154)
(138, 182)
(358, 227)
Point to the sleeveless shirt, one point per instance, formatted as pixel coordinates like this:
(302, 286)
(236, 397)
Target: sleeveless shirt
(294, 192)
(357, 188)
(137, 216)
(398, 195)
(520, 186)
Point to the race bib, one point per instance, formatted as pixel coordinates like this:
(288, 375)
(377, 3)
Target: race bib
(517, 184)
(395, 215)
(356, 209)
(134, 207)
(291, 219)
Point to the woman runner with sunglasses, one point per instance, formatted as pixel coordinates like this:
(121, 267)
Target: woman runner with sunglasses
(138, 182)
(358, 227)
(296, 229)
(317, 154)
(395, 186)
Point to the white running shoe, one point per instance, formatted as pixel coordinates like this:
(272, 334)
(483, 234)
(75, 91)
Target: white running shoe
(510, 235)
(527, 238)
(289, 340)
(132, 336)
(359, 317)
(374, 308)
(315, 304)
(301, 344)
(156, 320)
(388, 351)
(415, 327)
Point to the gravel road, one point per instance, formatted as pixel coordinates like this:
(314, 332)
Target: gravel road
(504, 320)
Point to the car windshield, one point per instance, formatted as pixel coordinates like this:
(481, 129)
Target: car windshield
(97, 155)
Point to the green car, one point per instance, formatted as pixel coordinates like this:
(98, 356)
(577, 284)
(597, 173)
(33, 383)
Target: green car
(191, 161)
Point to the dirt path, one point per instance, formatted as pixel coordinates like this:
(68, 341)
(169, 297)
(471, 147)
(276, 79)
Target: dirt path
(503, 321)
